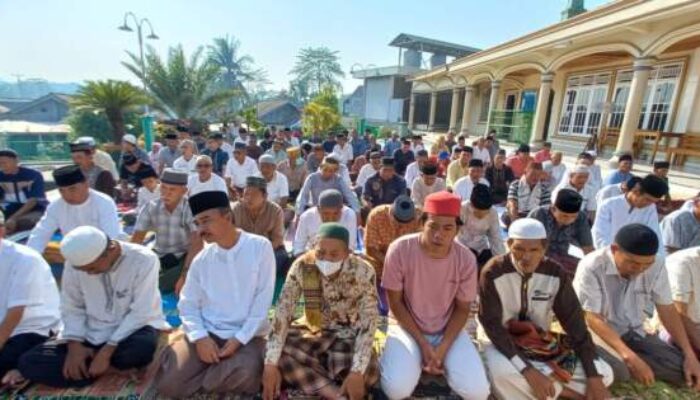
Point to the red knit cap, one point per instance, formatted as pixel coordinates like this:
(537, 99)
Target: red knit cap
(442, 203)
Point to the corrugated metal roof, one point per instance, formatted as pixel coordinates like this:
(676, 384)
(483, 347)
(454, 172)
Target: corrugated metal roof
(414, 42)
(32, 127)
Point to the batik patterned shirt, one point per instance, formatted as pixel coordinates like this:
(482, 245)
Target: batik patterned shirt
(348, 308)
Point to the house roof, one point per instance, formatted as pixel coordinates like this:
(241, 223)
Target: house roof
(266, 107)
(419, 43)
(60, 97)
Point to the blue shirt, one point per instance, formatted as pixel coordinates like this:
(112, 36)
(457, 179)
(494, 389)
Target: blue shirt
(378, 191)
(359, 147)
(616, 177)
(328, 146)
(16, 189)
(219, 159)
(391, 146)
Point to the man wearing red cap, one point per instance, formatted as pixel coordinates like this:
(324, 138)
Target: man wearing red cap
(431, 281)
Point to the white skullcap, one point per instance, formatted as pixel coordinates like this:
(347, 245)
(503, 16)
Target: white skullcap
(581, 169)
(593, 153)
(89, 140)
(527, 228)
(129, 138)
(83, 245)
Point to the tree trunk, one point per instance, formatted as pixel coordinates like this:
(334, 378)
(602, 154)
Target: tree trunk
(116, 120)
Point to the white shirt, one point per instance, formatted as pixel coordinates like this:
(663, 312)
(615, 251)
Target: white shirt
(239, 172)
(228, 292)
(464, 186)
(278, 187)
(144, 196)
(188, 166)
(367, 171)
(310, 221)
(104, 161)
(684, 277)
(482, 154)
(596, 178)
(616, 212)
(26, 281)
(344, 173)
(607, 192)
(109, 307)
(215, 182)
(481, 234)
(227, 148)
(556, 173)
(412, 173)
(589, 202)
(343, 154)
(98, 211)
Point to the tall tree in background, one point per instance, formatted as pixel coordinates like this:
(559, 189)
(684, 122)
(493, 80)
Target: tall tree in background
(180, 87)
(316, 68)
(113, 98)
(235, 71)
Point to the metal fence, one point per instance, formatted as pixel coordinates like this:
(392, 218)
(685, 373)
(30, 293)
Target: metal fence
(37, 148)
(513, 126)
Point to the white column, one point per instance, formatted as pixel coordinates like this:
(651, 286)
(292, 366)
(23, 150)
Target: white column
(537, 135)
(640, 77)
(454, 110)
(411, 110)
(467, 110)
(433, 108)
(493, 102)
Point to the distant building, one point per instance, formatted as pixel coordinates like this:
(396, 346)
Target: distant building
(52, 108)
(354, 104)
(386, 90)
(35, 141)
(278, 112)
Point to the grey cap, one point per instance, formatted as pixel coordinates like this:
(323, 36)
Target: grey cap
(256, 182)
(267, 159)
(2, 218)
(330, 198)
(403, 209)
(173, 176)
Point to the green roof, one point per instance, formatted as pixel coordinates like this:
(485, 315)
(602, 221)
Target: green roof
(413, 42)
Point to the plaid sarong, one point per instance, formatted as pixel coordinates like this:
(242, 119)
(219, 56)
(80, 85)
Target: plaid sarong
(312, 362)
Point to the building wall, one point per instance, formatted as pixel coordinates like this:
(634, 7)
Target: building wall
(378, 93)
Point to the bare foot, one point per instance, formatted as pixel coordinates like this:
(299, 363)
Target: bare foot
(13, 378)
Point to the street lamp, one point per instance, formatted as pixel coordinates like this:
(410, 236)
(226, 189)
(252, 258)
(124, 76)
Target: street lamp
(147, 120)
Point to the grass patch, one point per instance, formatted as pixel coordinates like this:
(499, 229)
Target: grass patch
(658, 391)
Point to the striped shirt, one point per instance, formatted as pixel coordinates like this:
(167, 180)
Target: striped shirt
(529, 198)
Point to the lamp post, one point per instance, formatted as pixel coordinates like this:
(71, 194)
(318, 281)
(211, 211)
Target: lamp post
(147, 120)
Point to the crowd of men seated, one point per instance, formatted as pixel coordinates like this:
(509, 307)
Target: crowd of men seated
(351, 230)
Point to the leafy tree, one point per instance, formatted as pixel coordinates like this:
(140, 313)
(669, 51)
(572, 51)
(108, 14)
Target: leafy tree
(319, 118)
(180, 87)
(299, 91)
(250, 117)
(235, 71)
(113, 98)
(327, 97)
(316, 68)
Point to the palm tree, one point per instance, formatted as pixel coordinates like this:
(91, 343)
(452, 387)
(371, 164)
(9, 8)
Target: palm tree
(181, 88)
(319, 118)
(111, 97)
(234, 70)
(318, 67)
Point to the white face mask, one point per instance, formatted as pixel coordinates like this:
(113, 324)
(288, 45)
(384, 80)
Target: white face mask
(329, 268)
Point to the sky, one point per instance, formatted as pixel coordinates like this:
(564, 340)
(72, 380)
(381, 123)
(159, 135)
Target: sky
(77, 40)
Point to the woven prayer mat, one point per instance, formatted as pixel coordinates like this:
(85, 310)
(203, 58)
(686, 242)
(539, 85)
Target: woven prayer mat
(136, 385)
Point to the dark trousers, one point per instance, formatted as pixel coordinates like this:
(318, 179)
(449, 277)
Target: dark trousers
(482, 257)
(170, 271)
(15, 347)
(665, 361)
(282, 261)
(44, 364)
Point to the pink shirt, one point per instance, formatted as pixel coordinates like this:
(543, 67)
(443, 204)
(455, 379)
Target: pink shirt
(517, 165)
(430, 285)
(542, 156)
